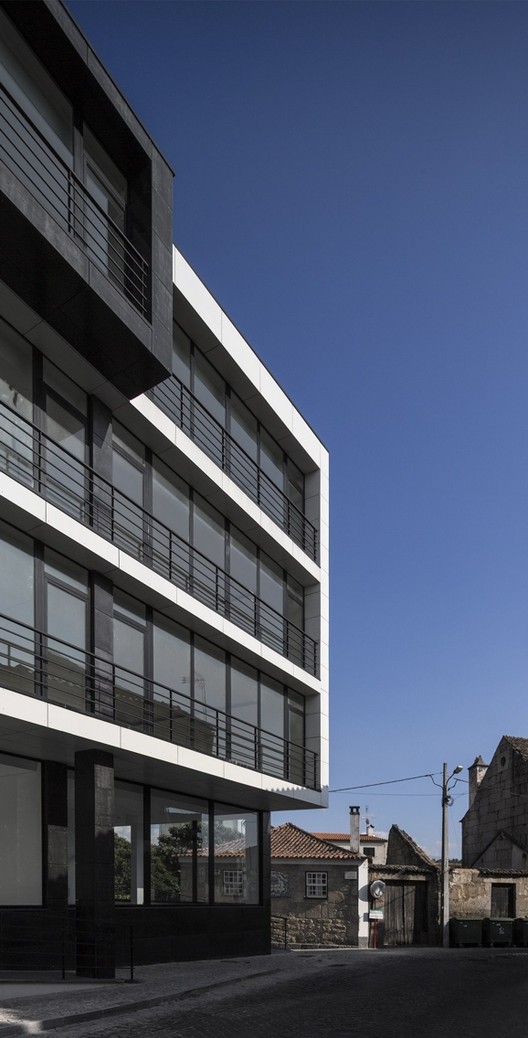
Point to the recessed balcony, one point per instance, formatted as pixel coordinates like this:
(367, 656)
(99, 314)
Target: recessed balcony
(37, 462)
(69, 260)
(35, 664)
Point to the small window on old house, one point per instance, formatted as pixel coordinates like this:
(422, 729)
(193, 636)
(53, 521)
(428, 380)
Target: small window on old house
(369, 852)
(316, 884)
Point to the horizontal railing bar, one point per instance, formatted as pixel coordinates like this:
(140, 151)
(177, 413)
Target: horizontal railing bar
(184, 408)
(54, 184)
(95, 502)
(37, 663)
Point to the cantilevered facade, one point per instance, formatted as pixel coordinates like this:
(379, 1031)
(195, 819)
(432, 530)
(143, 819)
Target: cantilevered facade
(163, 543)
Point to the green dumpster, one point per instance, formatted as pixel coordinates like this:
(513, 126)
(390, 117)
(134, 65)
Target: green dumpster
(497, 932)
(465, 931)
(520, 933)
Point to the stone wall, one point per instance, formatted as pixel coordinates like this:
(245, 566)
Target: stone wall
(500, 805)
(470, 892)
(298, 920)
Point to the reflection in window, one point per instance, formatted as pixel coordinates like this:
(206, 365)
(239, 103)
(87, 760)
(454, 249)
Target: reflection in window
(179, 849)
(236, 851)
(20, 829)
(128, 844)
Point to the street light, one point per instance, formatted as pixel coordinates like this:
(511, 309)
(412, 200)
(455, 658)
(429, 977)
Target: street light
(447, 800)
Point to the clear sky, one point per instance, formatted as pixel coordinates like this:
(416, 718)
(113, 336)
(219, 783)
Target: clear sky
(352, 185)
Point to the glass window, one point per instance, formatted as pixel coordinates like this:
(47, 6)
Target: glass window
(171, 507)
(129, 659)
(34, 89)
(244, 428)
(271, 459)
(128, 477)
(128, 843)
(67, 628)
(316, 884)
(209, 388)
(295, 602)
(272, 725)
(209, 675)
(104, 222)
(181, 355)
(20, 831)
(209, 532)
(295, 485)
(244, 713)
(65, 408)
(16, 392)
(179, 849)
(172, 681)
(271, 584)
(242, 594)
(236, 852)
(16, 604)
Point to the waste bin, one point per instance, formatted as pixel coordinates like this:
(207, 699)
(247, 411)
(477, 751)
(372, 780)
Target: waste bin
(497, 932)
(465, 931)
(520, 933)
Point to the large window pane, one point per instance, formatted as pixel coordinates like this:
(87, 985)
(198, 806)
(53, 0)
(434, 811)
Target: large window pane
(20, 832)
(209, 388)
(179, 849)
(181, 355)
(170, 506)
(16, 377)
(236, 856)
(128, 844)
(67, 620)
(243, 569)
(244, 714)
(271, 459)
(210, 696)
(128, 476)
(272, 724)
(16, 604)
(129, 660)
(172, 682)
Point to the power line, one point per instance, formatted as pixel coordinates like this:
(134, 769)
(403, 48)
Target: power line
(389, 782)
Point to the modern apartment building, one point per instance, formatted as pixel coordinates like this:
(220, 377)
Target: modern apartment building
(163, 545)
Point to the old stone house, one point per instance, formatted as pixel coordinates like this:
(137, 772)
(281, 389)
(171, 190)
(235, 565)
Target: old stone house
(410, 900)
(319, 892)
(495, 826)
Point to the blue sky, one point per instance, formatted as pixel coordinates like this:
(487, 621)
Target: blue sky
(352, 185)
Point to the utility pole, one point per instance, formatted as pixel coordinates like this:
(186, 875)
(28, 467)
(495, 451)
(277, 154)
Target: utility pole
(447, 800)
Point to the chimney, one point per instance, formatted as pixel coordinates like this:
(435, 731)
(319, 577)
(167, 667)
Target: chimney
(476, 773)
(354, 830)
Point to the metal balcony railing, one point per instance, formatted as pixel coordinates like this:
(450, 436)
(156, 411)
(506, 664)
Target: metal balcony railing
(190, 415)
(37, 664)
(51, 182)
(33, 459)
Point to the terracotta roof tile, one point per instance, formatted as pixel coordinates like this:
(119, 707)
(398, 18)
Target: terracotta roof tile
(364, 837)
(288, 841)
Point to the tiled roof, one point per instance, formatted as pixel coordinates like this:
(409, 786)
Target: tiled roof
(364, 837)
(521, 745)
(288, 841)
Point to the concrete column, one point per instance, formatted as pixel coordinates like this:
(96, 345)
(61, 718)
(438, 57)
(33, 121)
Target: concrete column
(94, 864)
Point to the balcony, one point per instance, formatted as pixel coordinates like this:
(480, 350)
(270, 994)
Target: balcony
(191, 416)
(68, 260)
(34, 664)
(34, 460)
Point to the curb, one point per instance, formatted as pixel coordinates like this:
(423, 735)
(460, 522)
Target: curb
(39, 1026)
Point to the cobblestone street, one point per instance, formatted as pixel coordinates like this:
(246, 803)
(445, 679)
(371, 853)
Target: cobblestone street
(415, 993)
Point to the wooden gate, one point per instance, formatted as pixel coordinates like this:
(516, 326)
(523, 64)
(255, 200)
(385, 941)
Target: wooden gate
(405, 912)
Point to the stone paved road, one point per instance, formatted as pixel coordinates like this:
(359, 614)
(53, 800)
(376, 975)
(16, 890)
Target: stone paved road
(386, 994)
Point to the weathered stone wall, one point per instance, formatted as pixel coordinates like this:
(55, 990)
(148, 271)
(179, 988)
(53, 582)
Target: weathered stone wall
(297, 919)
(470, 893)
(501, 804)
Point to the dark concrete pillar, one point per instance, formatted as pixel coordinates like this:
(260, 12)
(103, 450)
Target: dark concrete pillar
(94, 867)
(55, 834)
